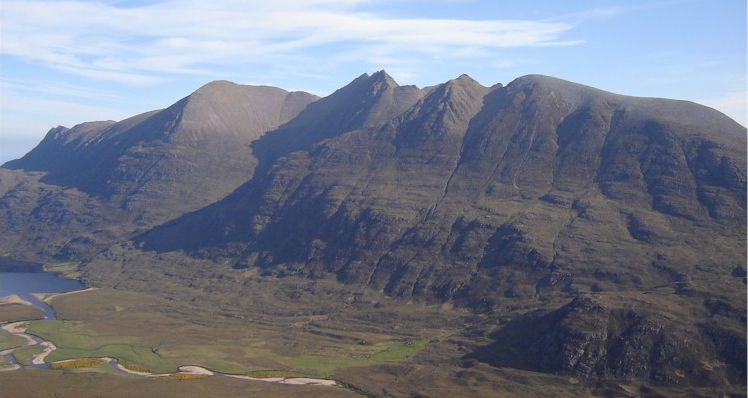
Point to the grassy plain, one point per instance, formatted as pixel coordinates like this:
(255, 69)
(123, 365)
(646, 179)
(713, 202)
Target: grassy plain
(35, 383)
(8, 341)
(158, 335)
(364, 345)
(23, 355)
(19, 312)
(373, 348)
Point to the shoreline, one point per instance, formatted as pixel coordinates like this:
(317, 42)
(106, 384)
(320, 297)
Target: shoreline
(48, 297)
(14, 299)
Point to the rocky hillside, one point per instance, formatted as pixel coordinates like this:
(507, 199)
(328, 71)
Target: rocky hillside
(160, 157)
(120, 177)
(471, 191)
(597, 234)
(591, 340)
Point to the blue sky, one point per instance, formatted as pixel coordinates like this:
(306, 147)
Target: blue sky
(66, 62)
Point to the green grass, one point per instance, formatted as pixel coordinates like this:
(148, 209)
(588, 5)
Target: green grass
(100, 382)
(75, 341)
(321, 365)
(148, 332)
(23, 355)
(8, 341)
(264, 374)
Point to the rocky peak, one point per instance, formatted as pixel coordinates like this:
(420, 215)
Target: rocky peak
(448, 107)
(56, 132)
(465, 79)
(460, 89)
(384, 77)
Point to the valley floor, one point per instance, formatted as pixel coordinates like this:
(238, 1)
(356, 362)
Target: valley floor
(110, 342)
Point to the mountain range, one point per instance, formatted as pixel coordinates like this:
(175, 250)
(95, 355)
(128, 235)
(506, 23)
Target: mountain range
(615, 223)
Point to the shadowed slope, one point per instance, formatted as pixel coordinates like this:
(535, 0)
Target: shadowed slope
(365, 103)
(161, 156)
(103, 180)
(438, 200)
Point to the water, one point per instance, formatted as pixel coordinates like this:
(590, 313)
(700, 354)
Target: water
(25, 283)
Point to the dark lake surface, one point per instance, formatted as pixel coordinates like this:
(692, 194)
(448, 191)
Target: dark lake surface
(26, 283)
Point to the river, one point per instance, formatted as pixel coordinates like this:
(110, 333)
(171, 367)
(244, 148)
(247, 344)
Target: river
(24, 284)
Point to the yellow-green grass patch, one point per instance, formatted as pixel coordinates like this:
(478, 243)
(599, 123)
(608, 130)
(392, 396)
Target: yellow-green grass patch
(23, 355)
(79, 363)
(134, 367)
(8, 341)
(160, 335)
(186, 376)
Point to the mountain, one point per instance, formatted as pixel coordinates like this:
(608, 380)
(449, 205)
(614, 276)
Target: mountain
(539, 180)
(591, 232)
(152, 167)
(365, 103)
(162, 155)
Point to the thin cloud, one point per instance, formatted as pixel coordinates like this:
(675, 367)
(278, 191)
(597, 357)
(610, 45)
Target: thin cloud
(599, 12)
(145, 44)
(52, 88)
(21, 109)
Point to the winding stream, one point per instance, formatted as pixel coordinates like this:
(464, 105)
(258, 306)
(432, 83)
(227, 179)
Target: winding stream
(39, 361)
(23, 288)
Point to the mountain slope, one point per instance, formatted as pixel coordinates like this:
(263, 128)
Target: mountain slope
(524, 195)
(161, 156)
(532, 195)
(552, 179)
(141, 171)
(365, 103)
(599, 230)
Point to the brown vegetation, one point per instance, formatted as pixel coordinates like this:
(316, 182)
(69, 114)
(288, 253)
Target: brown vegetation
(79, 363)
(134, 367)
(187, 376)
